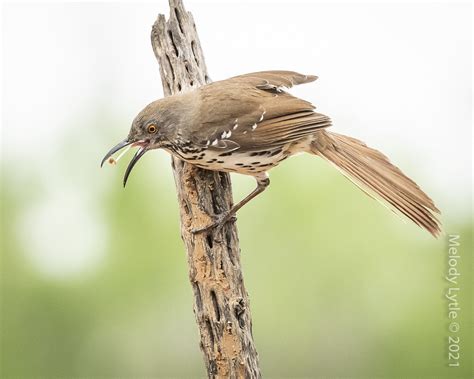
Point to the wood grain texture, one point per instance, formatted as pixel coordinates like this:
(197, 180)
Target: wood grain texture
(221, 303)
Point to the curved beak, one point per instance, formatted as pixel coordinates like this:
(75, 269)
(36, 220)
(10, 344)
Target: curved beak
(142, 150)
(116, 148)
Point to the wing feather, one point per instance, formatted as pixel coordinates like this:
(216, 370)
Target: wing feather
(252, 112)
(275, 80)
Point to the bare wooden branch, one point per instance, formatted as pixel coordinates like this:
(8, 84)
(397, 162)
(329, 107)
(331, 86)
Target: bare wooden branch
(221, 303)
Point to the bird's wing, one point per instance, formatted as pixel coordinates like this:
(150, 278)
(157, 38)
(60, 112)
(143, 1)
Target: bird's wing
(279, 131)
(252, 112)
(276, 80)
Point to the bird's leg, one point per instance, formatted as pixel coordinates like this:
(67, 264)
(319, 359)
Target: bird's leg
(262, 183)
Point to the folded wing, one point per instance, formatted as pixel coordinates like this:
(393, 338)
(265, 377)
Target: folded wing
(253, 112)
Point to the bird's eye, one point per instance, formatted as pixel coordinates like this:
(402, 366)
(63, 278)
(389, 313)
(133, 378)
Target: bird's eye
(152, 129)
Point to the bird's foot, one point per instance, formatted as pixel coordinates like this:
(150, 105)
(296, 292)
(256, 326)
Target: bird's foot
(217, 224)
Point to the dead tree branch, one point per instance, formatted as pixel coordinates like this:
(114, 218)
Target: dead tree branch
(221, 303)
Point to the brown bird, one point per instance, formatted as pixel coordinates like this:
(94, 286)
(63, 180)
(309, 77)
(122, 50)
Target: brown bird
(249, 124)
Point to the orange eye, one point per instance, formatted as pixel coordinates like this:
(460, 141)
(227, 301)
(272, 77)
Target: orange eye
(152, 129)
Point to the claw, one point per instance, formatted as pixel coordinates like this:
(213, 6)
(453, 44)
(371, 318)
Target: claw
(217, 224)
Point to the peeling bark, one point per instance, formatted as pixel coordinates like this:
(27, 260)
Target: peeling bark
(221, 303)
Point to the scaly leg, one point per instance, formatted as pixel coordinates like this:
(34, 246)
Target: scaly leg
(262, 183)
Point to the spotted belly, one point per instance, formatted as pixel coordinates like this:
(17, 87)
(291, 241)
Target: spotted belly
(248, 163)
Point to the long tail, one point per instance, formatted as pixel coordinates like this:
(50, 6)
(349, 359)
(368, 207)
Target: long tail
(372, 172)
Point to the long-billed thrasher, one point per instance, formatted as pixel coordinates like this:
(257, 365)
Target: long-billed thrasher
(249, 124)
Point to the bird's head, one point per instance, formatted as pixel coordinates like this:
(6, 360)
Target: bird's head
(148, 132)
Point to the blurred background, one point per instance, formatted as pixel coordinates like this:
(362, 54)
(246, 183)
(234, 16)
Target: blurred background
(94, 278)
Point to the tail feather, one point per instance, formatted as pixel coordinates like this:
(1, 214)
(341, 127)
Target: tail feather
(372, 172)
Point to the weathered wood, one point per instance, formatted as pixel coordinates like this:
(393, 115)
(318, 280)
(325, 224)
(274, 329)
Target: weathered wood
(221, 303)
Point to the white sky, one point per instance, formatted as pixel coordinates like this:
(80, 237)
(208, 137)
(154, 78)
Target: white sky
(395, 75)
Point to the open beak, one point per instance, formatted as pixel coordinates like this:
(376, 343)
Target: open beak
(142, 150)
(116, 148)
